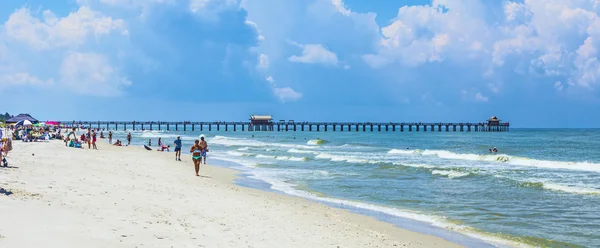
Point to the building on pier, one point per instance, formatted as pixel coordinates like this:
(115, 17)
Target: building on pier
(261, 123)
(494, 121)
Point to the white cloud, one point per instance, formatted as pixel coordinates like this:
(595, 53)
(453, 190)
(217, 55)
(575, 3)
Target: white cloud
(91, 74)
(558, 85)
(287, 94)
(315, 54)
(284, 94)
(553, 38)
(270, 79)
(473, 95)
(480, 98)
(53, 32)
(210, 9)
(252, 24)
(23, 78)
(263, 61)
(341, 7)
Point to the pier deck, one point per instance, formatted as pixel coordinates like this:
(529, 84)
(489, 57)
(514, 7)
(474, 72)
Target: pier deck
(287, 126)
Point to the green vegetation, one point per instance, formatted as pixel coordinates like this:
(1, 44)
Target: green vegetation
(4, 117)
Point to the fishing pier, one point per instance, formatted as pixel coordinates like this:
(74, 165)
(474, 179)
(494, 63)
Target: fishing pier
(266, 123)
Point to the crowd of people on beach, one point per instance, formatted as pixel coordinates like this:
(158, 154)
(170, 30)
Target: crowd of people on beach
(78, 137)
(198, 150)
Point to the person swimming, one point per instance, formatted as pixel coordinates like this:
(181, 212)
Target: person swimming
(495, 150)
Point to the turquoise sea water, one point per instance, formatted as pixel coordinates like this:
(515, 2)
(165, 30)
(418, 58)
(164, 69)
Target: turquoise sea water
(542, 188)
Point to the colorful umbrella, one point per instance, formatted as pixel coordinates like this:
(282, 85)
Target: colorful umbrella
(23, 123)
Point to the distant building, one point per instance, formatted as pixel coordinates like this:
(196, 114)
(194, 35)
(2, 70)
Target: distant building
(494, 121)
(261, 123)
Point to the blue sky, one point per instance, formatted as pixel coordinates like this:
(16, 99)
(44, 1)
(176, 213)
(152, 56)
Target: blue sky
(533, 63)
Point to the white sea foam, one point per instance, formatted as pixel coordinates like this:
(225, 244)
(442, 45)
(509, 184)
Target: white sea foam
(294, 150)
(428, 166)
(265, 156)
(237, 154)
(503, 158)
(571, 189)
(450, 173)
(228, 142)
(403, 151)
(316, 142)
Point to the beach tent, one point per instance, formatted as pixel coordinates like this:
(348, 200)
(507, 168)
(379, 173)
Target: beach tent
(22, 117)
(52, 123)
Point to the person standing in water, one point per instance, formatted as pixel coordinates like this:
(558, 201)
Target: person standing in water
(196, 151)
(178, 148)
(110, 137)
(129, 139)
(203, 148)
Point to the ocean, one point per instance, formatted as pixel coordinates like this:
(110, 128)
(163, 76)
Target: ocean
(542, 188)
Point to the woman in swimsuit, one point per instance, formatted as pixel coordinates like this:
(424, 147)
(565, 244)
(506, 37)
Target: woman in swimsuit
(196, 151)
(94, 140)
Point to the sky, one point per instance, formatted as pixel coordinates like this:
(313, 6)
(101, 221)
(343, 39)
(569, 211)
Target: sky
(533, 63)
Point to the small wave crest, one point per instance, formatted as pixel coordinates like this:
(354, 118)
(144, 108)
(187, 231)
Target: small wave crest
(450, 173)
(316, 142)
(503, 158)
(560, 187)
(294, 150)
(405, 151)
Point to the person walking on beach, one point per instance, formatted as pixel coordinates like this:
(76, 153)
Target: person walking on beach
(203, 148)
(178, 148)
(196, 151)
(94, 141)
(110, 137)
(129, 139)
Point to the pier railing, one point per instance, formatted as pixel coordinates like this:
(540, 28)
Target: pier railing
(282, 126)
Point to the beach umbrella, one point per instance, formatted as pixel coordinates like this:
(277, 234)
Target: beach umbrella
(23, 123)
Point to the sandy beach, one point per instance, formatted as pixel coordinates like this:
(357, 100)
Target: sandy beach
(56, 196)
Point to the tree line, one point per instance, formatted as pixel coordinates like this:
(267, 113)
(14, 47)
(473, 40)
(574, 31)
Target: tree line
(4, 117)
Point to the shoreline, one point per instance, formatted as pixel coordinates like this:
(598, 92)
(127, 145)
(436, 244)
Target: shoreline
(75, 186)
(379, 212)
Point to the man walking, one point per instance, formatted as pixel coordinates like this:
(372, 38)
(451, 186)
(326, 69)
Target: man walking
(178, 148)
(129, 139)
(204, 148)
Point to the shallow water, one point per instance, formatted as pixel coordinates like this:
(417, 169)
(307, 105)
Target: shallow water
(542, 188)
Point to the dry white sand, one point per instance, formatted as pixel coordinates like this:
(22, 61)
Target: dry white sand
(130, 197)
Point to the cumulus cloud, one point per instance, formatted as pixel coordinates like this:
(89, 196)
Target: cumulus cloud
(315, 54)
(287, 94)
(23, 78)
(53, 32)
(91, 74)
(284, 94)
(263, 61)
(535, 37)
(210, 9)
(473, 95)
